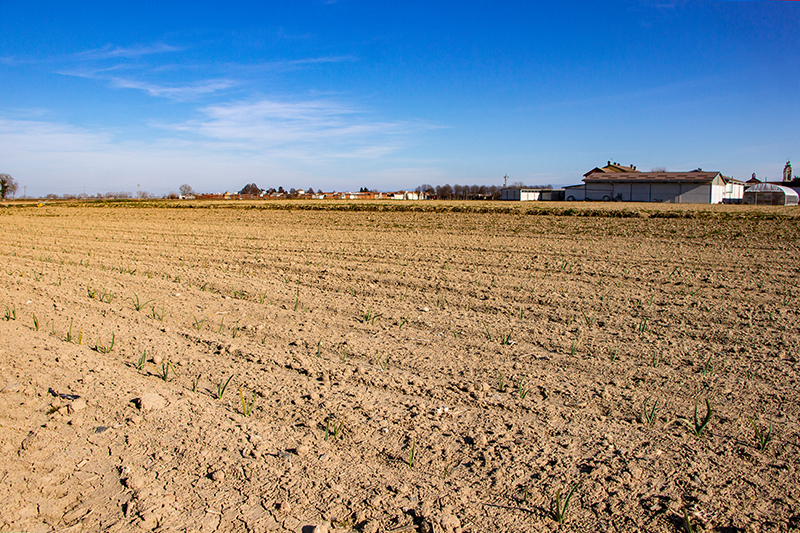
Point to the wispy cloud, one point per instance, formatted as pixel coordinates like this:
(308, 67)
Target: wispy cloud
(181, 92)
(130, 52)
(322, 126)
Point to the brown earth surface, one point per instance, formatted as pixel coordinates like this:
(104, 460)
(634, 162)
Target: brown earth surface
(412, 367)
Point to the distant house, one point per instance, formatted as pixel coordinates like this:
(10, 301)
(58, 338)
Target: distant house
(403, 195)
(523, 195)
(625, 185)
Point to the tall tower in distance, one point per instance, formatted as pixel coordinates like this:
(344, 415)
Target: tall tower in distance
(787, 172)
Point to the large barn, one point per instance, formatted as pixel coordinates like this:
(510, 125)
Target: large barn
(626, 184)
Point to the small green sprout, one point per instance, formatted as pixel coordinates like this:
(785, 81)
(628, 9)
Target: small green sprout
(221, 387)
(247, 407)
(333, 431)
(100, 347)
(142, 360)
(198, 324)
(763, 438)
(165, 368)
(35, 322)
(412, 454)
(650, 415)
(136, 303)
(559, 506)
(698, 427)
(155, 314)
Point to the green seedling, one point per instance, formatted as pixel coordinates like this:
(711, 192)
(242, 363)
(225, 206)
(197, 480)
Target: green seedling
(403, 322)
(505, 339)
(319, 348)
(99, 346)
(523, 390)
(384, 362)
(11, 313)
(142, 360)
(68, 338)
(239, 295)
(763, 438)
(708, 367)
(411, 454)
(297, 298)
(615, 355)
(501, 383)
(155, 315)
(136, 303)
(35, 322)
(488, 334)
(247, 407)
(91, 292)
(687, 523)
(642, 326)
(559, 506)
(221, 322)
(235, 330)
(198, 324)
(222, 386)
(589, 321)
(106, 297)
(656, 359)
(574, 348)
(165, 368)
(455, 332)
(698, 427)
(344, 355)
(650, 414)
(195, 381)
(333, 431)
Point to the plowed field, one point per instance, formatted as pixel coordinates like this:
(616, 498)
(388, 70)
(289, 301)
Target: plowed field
(412, 367)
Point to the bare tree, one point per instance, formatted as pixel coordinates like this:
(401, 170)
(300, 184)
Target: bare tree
(186, 189)
(8, 185)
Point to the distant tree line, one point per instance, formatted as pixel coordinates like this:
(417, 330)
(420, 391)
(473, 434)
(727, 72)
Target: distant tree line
(471, 192)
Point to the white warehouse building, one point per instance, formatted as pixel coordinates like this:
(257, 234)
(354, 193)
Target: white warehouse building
(626, 184)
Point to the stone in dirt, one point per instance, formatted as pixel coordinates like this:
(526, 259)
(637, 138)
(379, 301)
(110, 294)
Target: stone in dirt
(77, 405)
(151, 401)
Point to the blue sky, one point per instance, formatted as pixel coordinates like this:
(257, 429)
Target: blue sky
(391, 94)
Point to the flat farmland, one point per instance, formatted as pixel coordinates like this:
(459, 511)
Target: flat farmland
(416, 367)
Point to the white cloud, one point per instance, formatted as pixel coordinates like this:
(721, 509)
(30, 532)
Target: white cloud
(185, 92)
(320, 128)
(109, 52)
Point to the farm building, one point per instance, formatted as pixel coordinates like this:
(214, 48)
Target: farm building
(695, 187)
(523, 195)
(770, 194)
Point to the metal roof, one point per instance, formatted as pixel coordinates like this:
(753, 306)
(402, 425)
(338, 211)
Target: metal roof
(666, 177)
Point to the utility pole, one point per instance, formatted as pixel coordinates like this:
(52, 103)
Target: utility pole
(505, 180)
(24, 192)
(138, 194)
